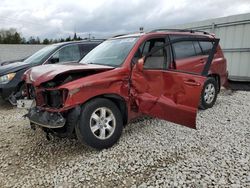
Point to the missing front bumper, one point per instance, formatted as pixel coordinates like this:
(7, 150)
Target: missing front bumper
(46, 119)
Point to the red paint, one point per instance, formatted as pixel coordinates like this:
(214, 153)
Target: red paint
(41, 74)
(166, 94)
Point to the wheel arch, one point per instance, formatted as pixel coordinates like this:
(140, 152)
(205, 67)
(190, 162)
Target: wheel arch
(119, 102)
(217, 78)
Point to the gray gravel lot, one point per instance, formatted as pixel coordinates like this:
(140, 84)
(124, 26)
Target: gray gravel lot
(10, 52)
(150, 153)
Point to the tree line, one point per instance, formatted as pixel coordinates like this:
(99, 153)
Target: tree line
(11, 36)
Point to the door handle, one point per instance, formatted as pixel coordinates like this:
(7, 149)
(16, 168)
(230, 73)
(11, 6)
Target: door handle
(192, 83)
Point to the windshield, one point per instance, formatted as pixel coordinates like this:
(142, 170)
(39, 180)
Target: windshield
(111, 52)
(41, 54)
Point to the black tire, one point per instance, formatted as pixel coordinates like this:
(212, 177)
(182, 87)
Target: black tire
(205, 104)
(68, 131)
(17, 95)
(83, 130)
(21, 90)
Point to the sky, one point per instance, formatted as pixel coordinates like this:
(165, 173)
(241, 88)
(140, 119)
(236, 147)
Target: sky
(61, 18)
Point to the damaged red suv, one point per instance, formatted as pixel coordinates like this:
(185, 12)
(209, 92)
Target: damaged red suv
(166, 74)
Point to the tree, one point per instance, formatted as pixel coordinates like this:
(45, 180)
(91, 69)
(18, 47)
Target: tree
(75, 37)
(10, 36)
(38, 40)
(17, 38)
(46, 41)
(32, 40)
(79, 38)
(68, 39)
(23, 41)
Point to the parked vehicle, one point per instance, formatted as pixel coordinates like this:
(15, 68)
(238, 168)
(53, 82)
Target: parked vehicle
(11, 83)
(12, 61)
(162, 74)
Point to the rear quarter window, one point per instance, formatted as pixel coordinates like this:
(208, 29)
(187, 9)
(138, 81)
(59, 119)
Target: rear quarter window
(197, 48)
(206, 47)
(183, 49)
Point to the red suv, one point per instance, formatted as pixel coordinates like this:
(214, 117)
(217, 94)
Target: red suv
(164, 73)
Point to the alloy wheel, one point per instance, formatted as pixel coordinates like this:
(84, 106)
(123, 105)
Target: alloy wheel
(102, 123)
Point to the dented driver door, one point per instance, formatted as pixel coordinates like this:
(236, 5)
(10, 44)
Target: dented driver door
(169, 94)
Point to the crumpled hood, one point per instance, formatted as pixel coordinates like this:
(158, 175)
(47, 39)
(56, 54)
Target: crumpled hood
(44, 73)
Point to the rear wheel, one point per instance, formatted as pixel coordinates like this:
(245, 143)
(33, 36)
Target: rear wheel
(209, 93)
(100, 125)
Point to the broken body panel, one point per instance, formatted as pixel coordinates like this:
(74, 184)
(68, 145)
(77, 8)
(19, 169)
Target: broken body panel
(167, 94)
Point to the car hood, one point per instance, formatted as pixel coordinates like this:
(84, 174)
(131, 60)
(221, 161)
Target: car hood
(13, 67)
(44, 73)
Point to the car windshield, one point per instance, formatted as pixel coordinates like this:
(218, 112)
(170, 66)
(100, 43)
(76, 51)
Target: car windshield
(111, 52)
(41, 54)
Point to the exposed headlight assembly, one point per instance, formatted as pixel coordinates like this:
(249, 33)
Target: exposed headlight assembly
(7, 78)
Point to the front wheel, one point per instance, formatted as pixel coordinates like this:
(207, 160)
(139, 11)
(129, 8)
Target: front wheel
(17, 95)
(209, 93)
(100, 124)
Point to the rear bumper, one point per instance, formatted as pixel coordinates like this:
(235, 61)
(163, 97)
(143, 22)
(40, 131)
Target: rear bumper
(46, 119)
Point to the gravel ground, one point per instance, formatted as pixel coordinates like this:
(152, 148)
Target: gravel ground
(150, 153)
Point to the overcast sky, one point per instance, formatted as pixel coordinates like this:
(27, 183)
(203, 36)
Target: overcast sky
(60, 18)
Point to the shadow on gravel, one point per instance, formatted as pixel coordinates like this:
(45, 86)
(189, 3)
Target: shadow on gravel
(55, 152)
(239, 86)
(56, 148)
(5, 105)
(56, 145)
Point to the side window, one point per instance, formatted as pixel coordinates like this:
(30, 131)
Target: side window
(206, 47)
(86, 48)
(67, 53)
(157, 60)
(183, 49)
(145, 48)
(197, 48)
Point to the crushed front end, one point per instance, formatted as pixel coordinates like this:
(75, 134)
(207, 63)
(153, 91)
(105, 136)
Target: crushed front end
(45, 118)
(49, 114)
(55, 90)
(49, 111)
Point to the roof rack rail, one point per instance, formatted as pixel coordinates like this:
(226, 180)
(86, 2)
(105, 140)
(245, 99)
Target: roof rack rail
(91, 40)
(182, 30)
(120, 35)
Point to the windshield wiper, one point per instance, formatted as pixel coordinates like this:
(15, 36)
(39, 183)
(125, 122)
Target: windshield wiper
(91, 63)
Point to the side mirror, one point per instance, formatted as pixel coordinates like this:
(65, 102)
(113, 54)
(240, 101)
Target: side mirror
(140, 64)
(54, 60)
